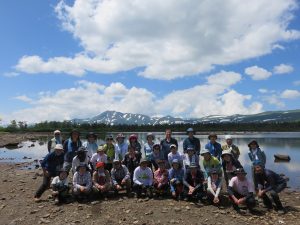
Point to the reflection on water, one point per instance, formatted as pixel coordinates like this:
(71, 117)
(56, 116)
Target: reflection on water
(271, 143)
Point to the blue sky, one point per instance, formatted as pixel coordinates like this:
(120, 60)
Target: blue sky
(65, 59)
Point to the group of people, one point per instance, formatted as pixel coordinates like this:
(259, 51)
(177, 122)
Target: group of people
(157, 168)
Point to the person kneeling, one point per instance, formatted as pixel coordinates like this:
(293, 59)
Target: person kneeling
(241, 190)
(143, 179)
(120, 177)
(161, 178)
(214, 184)
(60, 187)
(269, 182)
(176, 175)
(82, 182)
(193, 182)
(101, 179)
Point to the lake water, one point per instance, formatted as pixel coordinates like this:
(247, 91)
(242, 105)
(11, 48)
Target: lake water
(271, 143)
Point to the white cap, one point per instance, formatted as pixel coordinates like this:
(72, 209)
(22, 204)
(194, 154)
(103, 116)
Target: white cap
(59, 147)
(228, 137)
(56, 132)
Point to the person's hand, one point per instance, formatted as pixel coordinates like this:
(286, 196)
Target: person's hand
(118, 187)
(261, 193)
(159, 185)
(174, 194)
(191, 190)
(172, 180)
(216, 200)
(123, 182)
(82, 188)
(54, 192)
(46, 173)
(240, 201)
(205, 181)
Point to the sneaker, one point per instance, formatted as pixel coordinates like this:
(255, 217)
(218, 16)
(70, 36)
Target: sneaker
(56, 201)
(36, 199)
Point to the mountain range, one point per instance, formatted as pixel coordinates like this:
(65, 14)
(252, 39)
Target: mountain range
(118, 118)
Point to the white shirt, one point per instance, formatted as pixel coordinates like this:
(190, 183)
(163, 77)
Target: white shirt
(241, 187)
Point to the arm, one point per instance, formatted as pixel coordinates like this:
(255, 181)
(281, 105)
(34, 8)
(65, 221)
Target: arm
(219, 188)
(75, 184)
(95, 176)
(113, 178)
(127, 176)
(135, 177)
(185, 183)
(209, 188)
(150, 174)
(89, 180)
(264, 159)
(49, 146)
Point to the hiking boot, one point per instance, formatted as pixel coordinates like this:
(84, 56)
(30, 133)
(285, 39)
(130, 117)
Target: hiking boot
(56, 201)
(281, 211)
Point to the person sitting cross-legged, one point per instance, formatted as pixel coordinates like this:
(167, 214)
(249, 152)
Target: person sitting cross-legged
(161, 179)
(193, 182)
(176, 175)
(241, 190)
(101, 179)
(120, 177)
(269, 182)
(143, 179)
(82, 182)
(60, 187)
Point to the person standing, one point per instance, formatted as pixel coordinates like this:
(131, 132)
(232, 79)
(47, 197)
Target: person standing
(51, 166)
(109, 149)
(121, 147)
(57, 139)
(213, 146)
(191, 140)
(91, 144)
(232, 147)
(133, 142)
(71, 146)
(148, 146)
(166, 143)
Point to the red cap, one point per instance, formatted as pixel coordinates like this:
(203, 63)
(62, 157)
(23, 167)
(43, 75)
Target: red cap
(99, 165)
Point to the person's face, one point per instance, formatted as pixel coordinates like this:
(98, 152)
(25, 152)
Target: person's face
(91, 139)
(162, 166)
(81, 155)
(206, 156)
(191, 134)
(131, 151)
(190, 153)
(253, 146)
(100, 169)
(63, 175)
(156, 150)
(75, 136)
(109, 140)
(82, 170)
(214, 176)
(175, 166)
(168, 133)
(117, 165)
(241, 176)
(144, 165)
(226, 158)
(229, 141)
(120, 140)
(57, 135)
(213, 139)
(59, 151)
(173, 150)
(258, 169)
(193, 170)
(101, 152)
(149, 138)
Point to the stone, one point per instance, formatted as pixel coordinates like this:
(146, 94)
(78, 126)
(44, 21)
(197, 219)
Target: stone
(149, 213)
(34, 211)
(42, 220)
(46, 215)
(135, 222)
(177, 209)
(128, 211)
(94, 202)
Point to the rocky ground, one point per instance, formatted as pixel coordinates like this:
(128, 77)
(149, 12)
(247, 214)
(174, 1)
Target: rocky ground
(18, 185)
(12, 140)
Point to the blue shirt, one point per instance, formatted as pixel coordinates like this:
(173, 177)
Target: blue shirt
(214, 149)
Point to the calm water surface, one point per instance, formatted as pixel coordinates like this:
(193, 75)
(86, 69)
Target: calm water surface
(271, 143)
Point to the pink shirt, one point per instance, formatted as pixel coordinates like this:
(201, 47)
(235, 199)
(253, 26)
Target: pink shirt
(241, 187)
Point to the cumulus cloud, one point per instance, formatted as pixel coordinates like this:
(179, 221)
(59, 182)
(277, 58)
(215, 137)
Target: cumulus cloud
(166, 39)
(274, 100)
(88, 99)
(263, 90)
(290, 94)
(282, 69)
(23, 98)
(257, 73)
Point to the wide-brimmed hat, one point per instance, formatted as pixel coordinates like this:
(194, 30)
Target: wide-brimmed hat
(240, 171)
(257, 162)
(156, 144)
(82, 165)
(204, 151)
(228, 137)
(59, 147)
(143, 160)
(190, 130)
(120, 135)
(214, 171)
(115, 161)
(91, 134)
(253, 142)
(56, 132)
(226, 152)
(175, 161)
(190, 148)
(133, 136)
(173, 146)
(151, 135)
(100, 165)
(109, 137)
(82, 149)
(212, 135)
(100, 148)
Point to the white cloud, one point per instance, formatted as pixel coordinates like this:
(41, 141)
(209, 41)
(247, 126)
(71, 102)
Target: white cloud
(88, 99)
(263, 90)
(282, 69)
(23, 98)
(274, 100)
(168, 39)
(257, 73)
(290, 94)
(11, 74)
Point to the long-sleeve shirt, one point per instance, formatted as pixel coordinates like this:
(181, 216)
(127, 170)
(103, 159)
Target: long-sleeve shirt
(154, 159)
(53, 163)
(165, 146)
(52, 143)
(91, 148)
(229, 168)
(80, 180)
(118, 175)
(58, 183)
(177, 156)
(212, 163)
(70, 149)
(268, 180)
(110, 152)
(132, 162)
(177, 174)
(193, 179)
(143, 176)
(148, 150)
(121, 150)
(192, 142)
(257, 154)
(214, 187)
(187, 160)
(101, 178)
(161, 176)
(76, 162)
(243, 188)
(214, 149)
(234, 149)
(98, 158)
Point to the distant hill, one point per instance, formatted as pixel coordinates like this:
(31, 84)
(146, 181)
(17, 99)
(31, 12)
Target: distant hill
(118, 118)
